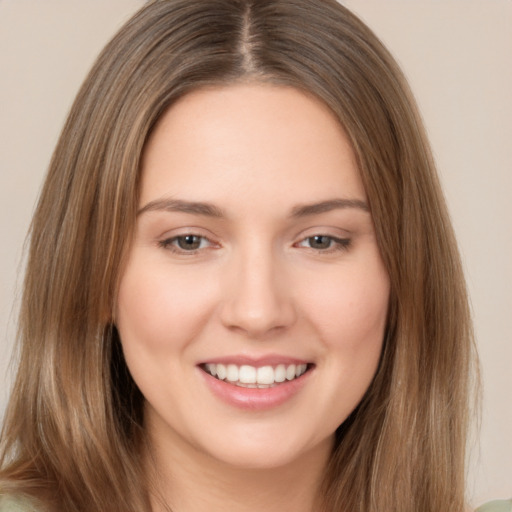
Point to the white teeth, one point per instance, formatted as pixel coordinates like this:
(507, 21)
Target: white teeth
(265, 375)
(211, 368)
(301, 368)
(247, 374)
(290, 372)
(252, 377)
(232, 373)
(221, 371)
(280, 373)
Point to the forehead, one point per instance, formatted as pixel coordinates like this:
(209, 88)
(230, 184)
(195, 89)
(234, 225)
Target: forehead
(249, 139)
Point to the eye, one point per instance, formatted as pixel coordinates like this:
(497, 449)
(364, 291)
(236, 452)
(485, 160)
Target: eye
(186, 243)
(325, 243)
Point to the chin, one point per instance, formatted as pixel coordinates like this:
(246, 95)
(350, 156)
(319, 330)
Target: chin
(257, 453)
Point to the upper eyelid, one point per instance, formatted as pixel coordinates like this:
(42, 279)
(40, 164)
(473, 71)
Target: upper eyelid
(175, 237)
(186, 231)
(331, 232)
(335, 239)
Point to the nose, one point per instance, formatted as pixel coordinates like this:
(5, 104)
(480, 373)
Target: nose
(258, 297)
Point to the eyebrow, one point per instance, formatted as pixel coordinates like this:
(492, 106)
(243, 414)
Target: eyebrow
(210, 210)
(327, 206)
(177, 205)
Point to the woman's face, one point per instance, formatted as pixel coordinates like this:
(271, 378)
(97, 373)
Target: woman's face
(255, 262)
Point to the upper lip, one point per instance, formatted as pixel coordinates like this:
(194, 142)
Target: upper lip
(256, 361)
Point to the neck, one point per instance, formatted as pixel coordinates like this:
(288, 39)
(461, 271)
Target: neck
(191, 481)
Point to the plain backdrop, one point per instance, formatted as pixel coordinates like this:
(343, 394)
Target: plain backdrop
(457, 56)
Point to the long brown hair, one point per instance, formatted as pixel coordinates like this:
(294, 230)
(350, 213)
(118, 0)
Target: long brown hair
(73, 430)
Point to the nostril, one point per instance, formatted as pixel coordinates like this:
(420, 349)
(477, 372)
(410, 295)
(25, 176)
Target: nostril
(258, 321)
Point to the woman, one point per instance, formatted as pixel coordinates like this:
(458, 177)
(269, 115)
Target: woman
(243, 291)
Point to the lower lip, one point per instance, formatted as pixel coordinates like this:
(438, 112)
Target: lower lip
(255, 399)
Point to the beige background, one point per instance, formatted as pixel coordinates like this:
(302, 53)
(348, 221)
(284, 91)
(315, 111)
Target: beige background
(457, 55)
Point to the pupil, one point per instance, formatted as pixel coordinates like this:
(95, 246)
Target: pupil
(320, 242)
(189, 242)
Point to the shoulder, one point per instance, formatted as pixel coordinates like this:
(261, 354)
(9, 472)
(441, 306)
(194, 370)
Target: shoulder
(493, 506)
(15, 504)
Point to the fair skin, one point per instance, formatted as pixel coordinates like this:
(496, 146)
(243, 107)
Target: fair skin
(254, 257)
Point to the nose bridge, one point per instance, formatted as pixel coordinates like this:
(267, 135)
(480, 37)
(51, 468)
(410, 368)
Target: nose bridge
(258, 300)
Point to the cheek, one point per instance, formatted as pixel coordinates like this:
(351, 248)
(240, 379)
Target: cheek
(158, 309)
(351, 311)
(350, 317)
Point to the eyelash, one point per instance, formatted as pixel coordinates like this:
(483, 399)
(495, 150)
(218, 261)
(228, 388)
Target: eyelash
(171, 244)
(335, 244)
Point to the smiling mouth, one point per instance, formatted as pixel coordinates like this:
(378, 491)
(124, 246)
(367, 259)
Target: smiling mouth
(262, 377)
